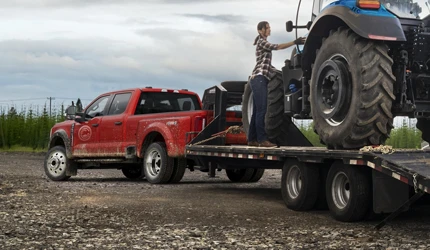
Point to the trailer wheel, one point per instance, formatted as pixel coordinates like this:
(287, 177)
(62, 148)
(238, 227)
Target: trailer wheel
(276, 122)
(351, 91)
(247, 108)
(133, 173)
(257, 175)
(424, 126)
(158, 166)
(300, 182)
(240, 175)
(57, 164)
(348, 192)
(180, 165)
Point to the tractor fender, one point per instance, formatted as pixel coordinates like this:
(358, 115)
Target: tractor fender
(373, 25)
(60, 137)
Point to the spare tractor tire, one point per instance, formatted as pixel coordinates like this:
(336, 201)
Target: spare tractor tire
(424, 126)
(276, 122)
(247, 108)
(352, 91)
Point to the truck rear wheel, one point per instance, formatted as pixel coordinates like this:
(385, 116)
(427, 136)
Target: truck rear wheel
(424, 126)
(352, 91)
(240, 175)
(158, 166)
(276, 122)
(348, 192)
(56, 164)
(299, 185)
(180, 165)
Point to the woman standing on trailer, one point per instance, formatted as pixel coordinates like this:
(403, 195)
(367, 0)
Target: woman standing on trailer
(259, 80)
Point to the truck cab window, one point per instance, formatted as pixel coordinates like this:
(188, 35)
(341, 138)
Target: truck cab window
(98, 107)
(119, 103)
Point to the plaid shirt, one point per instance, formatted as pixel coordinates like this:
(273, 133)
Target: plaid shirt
(263, 52)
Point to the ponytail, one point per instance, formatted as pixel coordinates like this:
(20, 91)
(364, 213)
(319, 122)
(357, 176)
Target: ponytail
(256, 39)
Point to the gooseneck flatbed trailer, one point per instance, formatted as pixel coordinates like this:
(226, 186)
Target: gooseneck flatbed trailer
(352, 184)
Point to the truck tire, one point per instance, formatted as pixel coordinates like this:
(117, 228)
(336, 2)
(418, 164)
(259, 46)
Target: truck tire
(158, 166)
(424, 126)
(180, 165)
(56, 164)
(247, 108)
(299, 185)
(133, 173)
(257, 175)
(348, 192)
(351, 91)
(276, 122)
(240, 175)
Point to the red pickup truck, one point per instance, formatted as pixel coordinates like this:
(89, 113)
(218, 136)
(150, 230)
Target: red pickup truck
(142, 131)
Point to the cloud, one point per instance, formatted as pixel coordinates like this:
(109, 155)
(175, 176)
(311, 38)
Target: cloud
(217, 18)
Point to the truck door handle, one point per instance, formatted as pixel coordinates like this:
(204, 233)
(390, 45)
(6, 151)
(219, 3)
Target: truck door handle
(95, 125)
(118, 123)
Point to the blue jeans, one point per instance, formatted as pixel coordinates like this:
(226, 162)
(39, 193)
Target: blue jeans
(257, 132)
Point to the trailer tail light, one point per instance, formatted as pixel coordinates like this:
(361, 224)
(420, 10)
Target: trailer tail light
(369, 4)
(199, 123)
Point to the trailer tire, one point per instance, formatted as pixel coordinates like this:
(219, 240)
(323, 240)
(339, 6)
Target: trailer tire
(258, 174)
(348, 192)
(57, 165)
(276, 122)
(180, 165)
(299, 185)
(133, 173)
(247, 108)
(158, 166)
(240, 175)
(424, 126)
(351, 91)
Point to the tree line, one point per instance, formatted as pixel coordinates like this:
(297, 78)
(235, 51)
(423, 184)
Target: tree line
(30, 128)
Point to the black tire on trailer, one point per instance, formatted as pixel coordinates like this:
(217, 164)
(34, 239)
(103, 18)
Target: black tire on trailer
(157, 165)
(351, 91)
(348, 192)
(299, 185)
(57, 164)
(133, 172)
(424, 126)
(276, 122)
(257, 175)
(240, 175)
(247, 107)
(180, 165)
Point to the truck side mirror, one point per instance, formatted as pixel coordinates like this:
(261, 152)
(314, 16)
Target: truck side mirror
(71, 110)
(289, 25)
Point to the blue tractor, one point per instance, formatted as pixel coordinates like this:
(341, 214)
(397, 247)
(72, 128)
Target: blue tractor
(364, 62)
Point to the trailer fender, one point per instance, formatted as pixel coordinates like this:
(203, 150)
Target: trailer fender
(374, 25)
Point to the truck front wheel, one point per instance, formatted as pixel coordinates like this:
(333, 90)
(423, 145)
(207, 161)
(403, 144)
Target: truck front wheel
(158, 166)
(352, 91)
(57, 165)
(348, 191)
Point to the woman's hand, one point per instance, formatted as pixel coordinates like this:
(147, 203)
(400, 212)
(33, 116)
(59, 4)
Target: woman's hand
(300, 40)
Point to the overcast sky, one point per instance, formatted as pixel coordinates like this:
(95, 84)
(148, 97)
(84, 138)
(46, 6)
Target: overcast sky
(83, 48)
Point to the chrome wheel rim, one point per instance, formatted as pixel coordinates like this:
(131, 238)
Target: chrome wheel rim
(294, 182)
(57, 163)
(153, 163)
(340, 190)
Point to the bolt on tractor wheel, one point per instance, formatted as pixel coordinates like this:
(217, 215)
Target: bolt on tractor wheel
(351, 91)
(158, 166)
(57, 164)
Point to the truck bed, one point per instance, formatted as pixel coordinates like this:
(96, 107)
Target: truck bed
(404, 165)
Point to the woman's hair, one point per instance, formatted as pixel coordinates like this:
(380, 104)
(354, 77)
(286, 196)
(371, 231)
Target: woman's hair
(260, 26)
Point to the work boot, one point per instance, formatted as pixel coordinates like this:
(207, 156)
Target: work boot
(253, 144)
(268, 144)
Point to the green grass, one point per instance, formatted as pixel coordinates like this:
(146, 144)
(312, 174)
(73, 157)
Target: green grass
(23, 149)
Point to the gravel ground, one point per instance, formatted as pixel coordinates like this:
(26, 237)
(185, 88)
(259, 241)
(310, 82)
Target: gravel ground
(101, 209)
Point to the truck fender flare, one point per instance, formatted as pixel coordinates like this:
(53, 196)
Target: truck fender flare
(160, 128)
(61, 135)
(372, 27)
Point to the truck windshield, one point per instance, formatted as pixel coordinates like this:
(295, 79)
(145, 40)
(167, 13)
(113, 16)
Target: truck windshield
(160, 102)
(416, 9)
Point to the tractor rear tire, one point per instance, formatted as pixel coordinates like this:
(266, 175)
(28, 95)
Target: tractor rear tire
(424, 126)
(352, 91)
(276, 122)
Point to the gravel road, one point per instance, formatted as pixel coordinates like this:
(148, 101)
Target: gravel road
(101, 209)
